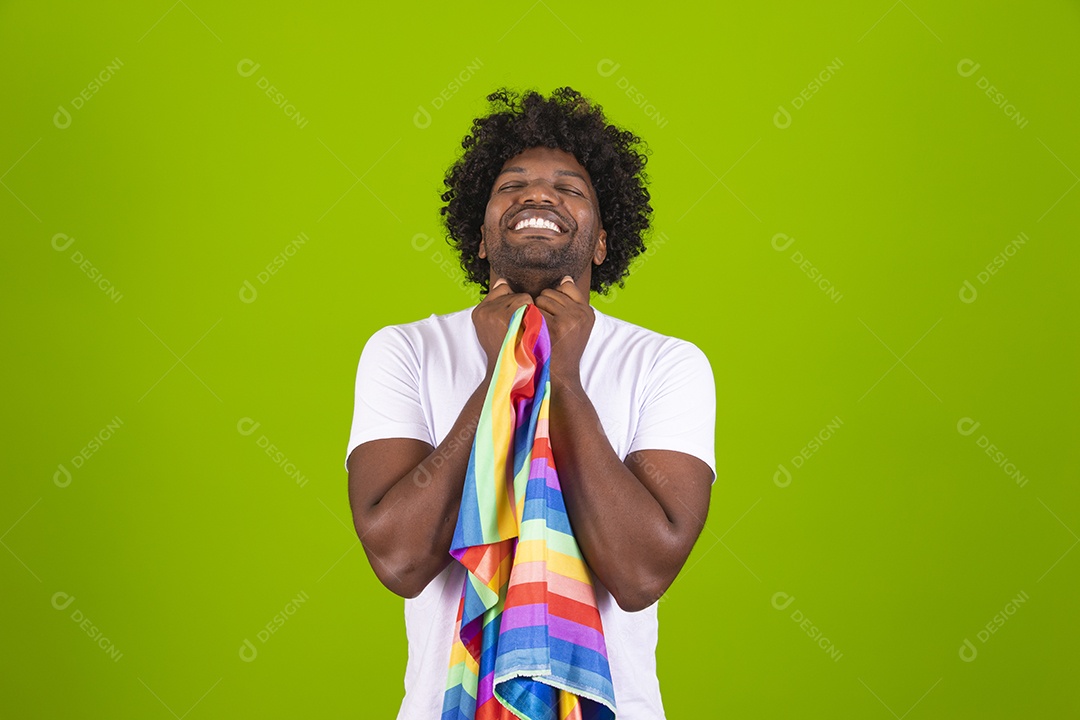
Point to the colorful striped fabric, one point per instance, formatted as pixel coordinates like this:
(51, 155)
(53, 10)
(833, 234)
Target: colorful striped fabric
(528, 642)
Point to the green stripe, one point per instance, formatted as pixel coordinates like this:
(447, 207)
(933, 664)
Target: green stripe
(485, 457)
(536, 529)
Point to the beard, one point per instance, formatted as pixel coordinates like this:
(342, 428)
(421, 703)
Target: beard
(530, 265)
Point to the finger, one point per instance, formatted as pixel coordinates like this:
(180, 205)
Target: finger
(570, 288)
(499, 289)
(551, 301)
(565, 292)
(517, 300)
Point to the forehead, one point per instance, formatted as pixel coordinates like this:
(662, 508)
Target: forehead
(544, 160)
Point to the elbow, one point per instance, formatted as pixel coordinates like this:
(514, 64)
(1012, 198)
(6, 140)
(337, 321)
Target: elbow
(643, 582)
(640, 594)
(401, 584)
(401, 577)
(636, 602)
(400, 572)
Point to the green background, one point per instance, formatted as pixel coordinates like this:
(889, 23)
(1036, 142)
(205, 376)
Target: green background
(898, 180)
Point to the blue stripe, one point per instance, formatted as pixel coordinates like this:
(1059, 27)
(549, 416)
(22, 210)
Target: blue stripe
(458, 704)
(468, 531)
(532, 699)
(571, 677)
(490, 646)
(529, 646)
(474, 605)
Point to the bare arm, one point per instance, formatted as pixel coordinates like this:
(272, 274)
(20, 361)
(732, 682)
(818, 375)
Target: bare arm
(405, 497)
(635, 522)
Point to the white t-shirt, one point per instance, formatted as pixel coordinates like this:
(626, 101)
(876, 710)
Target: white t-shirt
(650, 391)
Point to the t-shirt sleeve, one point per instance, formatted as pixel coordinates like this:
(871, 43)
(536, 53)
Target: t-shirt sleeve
(387, 392)
(678, 407)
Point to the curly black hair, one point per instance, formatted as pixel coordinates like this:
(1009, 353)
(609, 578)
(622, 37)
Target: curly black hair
(615, 159)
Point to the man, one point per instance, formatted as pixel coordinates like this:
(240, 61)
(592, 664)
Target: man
(547, 202)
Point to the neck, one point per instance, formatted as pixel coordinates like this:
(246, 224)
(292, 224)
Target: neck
(535, 286)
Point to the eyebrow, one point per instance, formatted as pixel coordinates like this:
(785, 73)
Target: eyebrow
(571, 173)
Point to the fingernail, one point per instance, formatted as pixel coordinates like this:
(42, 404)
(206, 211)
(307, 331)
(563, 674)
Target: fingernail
(565, 278)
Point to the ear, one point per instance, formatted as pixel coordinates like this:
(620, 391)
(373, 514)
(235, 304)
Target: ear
(601, 248)
(482, 249)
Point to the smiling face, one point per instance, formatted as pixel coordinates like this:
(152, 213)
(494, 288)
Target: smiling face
(542, 222)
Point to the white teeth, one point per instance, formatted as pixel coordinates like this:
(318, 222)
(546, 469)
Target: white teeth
(537, 223)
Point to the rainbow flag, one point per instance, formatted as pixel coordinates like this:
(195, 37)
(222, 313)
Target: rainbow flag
(528, 641)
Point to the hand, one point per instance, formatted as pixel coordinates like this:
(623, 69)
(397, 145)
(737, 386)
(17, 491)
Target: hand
(570, 320)
(491, 318)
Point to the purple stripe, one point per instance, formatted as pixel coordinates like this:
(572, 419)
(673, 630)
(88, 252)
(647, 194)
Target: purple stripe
(542, 347)
(485, 688)
(522, 616)
(524, 406)
(535, 615)
(539, 468)
(581, 635)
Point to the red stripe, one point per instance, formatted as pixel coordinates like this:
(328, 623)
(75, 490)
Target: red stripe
(542, 449)
(580, 613)
(493, 710)
(537, 593)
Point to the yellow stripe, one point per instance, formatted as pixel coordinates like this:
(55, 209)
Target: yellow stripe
(568, 702)
(502, 440)
(502, 575)
(536, 551)
(457, 652)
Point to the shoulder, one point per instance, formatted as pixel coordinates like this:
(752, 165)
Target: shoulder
(419, 332)
(662, 350)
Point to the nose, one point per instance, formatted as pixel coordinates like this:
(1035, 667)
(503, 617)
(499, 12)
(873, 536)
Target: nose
(537, 192)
